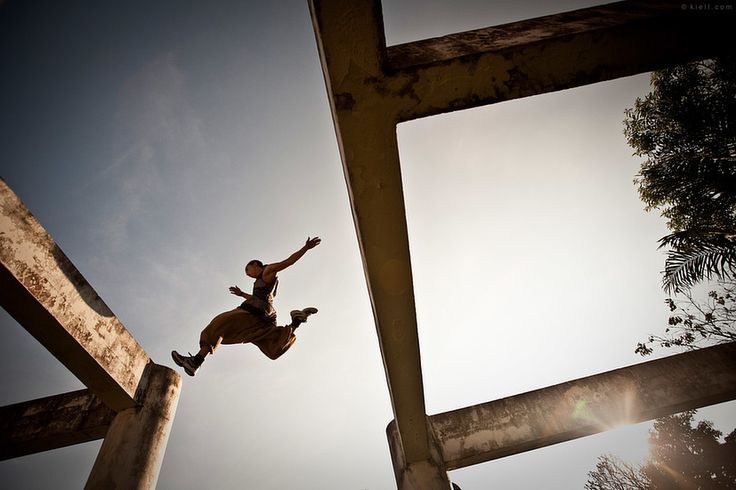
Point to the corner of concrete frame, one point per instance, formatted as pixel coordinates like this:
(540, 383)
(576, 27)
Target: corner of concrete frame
(130, 401)
(426, 474)
(372, 87)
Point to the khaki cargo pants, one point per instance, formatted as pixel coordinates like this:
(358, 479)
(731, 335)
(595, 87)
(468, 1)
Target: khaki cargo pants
(241, 327)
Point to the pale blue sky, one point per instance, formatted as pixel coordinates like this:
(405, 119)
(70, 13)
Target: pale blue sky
(164, 145)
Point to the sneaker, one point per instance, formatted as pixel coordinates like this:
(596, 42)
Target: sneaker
(187, 362)
(300, 316)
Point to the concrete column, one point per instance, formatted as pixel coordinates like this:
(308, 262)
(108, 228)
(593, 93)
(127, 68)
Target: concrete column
(131, 454)
(429, 474)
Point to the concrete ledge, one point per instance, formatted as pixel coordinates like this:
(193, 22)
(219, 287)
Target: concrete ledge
(548, 54)
(529, 31)
(586, 406)
(48, 296)
(52, 422)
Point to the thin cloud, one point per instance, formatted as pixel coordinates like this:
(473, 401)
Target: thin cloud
(158, 134)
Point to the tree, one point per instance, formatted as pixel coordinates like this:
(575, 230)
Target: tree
(686, 129)
(682, 456)
(693, 323)
(612, 473)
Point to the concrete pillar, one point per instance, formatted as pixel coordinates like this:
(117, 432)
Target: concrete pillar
(131, 454)
(429, 474)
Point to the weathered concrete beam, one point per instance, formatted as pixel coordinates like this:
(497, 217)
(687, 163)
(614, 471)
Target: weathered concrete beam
(547, 54)
(347, 36)
(465, 45)
(48, 296)
(134, 447)
(586, 406)
(52, 422)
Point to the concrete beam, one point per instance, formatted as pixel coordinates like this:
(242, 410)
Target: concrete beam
(586, 406)
(349, 35)
(547, 54)
(52, 422)
(134, 447)
(49, 297)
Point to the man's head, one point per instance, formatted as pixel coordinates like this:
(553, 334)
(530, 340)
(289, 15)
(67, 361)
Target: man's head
(254, 268)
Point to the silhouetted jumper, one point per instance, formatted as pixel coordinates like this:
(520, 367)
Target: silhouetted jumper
(254, 320)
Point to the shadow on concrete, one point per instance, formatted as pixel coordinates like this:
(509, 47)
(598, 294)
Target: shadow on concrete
(85, 290)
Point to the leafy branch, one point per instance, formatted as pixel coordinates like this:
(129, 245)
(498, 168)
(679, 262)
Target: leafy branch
(693, 323)
(697, 255)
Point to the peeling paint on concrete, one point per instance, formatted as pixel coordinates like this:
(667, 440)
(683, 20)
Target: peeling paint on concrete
(52, 422)
(50, 298)
(586, 406)
(134, 447)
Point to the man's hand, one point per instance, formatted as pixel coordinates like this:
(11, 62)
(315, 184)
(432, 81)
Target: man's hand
(236, 291)
(312, 242)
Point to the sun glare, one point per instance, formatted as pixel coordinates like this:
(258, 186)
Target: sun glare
(629, 442)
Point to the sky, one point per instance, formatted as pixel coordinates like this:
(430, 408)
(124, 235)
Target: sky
(164, 144)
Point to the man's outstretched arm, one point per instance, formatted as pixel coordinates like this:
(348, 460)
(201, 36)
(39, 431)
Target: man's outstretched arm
(271, 269)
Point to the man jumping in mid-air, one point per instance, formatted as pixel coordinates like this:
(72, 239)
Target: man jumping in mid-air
(254, 320)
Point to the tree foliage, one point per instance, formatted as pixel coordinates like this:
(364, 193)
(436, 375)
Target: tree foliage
(612, 473)
(697, 255)
(686, 130)
(687, 456)
(694, 323)
(682, 456)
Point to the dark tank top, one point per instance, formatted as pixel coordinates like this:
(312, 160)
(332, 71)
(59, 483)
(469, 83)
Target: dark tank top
(262, 301)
